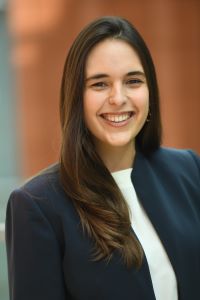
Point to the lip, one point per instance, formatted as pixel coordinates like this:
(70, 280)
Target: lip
(117, 124)
(118, 113)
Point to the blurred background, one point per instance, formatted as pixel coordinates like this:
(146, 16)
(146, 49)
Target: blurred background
(35, 36)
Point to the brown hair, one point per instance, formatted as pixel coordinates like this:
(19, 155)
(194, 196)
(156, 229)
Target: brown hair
(102, 209)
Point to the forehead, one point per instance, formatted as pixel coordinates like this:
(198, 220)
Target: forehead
(113, 55)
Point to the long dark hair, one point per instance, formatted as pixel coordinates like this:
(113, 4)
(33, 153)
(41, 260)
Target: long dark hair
(102, 209)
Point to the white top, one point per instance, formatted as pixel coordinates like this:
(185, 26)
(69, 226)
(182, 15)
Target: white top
(162, 273)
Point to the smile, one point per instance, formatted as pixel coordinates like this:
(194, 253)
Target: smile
(117, 118)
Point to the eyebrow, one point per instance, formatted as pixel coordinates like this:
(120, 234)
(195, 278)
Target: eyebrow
(102, 75)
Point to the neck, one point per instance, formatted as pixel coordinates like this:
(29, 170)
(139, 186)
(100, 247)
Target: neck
(117, 158)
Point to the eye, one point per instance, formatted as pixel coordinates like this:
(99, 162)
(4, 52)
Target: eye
(134, 82)
(99, 85)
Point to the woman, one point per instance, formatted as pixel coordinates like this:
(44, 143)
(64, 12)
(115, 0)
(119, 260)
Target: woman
(118, 217)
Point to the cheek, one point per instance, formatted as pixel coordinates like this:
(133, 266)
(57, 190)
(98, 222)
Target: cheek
(141, 100)
(92, 103)
(90, 107)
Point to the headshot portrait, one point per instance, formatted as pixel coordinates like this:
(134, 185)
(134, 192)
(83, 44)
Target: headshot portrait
(117, 216)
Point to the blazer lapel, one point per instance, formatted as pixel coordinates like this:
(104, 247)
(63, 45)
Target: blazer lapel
(155, 202)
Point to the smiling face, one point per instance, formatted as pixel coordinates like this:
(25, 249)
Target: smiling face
(116, 96)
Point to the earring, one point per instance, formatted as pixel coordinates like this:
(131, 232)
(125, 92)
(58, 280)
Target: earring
(148, 119)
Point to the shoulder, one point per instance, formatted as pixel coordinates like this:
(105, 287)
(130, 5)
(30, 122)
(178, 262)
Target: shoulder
(175, 153)
(41, 183)
(45, 184)
(40, 199)
(170, 164)
(175, 157)
(179, 164)
(42, 192)
(174, 170)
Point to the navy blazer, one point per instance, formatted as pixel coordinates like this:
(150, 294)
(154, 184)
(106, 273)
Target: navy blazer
(49, 257)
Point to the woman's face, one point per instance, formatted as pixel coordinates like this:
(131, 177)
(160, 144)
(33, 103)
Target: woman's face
(116, 96)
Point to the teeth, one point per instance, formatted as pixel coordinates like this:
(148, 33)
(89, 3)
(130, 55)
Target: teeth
(117, 118)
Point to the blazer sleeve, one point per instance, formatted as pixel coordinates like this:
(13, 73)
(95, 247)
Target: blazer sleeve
(34, 259)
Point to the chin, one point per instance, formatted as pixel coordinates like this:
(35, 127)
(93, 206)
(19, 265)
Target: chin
(120, 142)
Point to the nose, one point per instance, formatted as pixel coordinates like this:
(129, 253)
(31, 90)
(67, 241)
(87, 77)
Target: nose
(117, 96)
